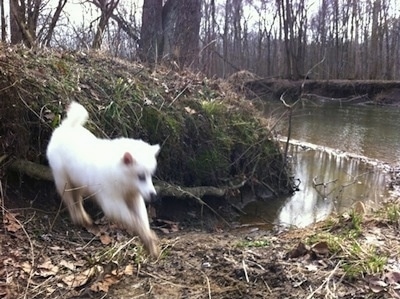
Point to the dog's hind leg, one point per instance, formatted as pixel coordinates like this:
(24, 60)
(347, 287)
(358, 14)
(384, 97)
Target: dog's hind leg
(140, 225)
(82, 216)
(73, 200)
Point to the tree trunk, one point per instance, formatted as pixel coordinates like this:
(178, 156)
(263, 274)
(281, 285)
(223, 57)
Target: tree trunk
(3, 23)
(53, 23)
(151, 32)
(17, 16)
(107, 8)
(181, 27)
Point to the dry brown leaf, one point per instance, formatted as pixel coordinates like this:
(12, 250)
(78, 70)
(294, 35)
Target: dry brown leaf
(104, 284)
(26, 267)
(78, 279)
(105, 239)
(376, 285)
(10, 222)
(311, 267)
(129, 269)
(68, 265)
(47, 269)
(321, 248)
(56, 248)
(190, 110)
(393, 277)
(168, 226)
(299, 251)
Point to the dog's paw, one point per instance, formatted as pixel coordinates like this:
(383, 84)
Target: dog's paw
(82, 219)
(152, 246)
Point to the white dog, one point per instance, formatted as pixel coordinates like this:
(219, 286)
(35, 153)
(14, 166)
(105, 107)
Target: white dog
(117, 173)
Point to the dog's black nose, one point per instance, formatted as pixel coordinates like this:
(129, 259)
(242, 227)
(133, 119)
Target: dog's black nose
(153, 197)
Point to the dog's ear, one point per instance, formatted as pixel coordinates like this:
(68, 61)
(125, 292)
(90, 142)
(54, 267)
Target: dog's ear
(156, 149)
(128, 159)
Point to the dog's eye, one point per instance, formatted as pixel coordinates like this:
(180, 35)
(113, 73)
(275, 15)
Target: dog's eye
(141, 177)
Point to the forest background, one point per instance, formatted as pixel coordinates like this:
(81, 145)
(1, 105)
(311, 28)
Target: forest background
(294, 39)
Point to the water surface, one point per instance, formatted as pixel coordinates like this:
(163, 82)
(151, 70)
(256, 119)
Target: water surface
(330, 182)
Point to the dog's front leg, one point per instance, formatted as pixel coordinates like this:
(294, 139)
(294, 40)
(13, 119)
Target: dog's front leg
(140, 225)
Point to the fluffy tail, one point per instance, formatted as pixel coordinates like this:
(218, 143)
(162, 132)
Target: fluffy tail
(77, 115)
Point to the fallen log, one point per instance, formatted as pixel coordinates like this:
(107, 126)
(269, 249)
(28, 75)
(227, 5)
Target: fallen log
(42, 172)
(31, 169)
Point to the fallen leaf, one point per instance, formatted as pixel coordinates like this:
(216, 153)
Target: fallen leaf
(393, 277)
(164, 230)
(311, 267)
(167, 226)
(129, 270)
(105, 239)
(78, 279)
(68, 265)
(47, 269)
(11, 223)
(56, 248)
(320, 248)
(104, 284)
(299, 251)
(190, 110)
(376, 285)
(26, 267)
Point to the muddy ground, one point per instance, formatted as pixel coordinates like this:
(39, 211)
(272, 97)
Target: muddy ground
(42, 255)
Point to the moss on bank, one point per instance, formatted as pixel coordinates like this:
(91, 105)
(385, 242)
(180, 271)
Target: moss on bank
(209, 134)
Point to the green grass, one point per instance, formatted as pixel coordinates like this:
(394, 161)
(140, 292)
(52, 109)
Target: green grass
(253, 243)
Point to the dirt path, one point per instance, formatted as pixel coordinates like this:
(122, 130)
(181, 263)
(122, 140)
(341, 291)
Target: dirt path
(42, 255)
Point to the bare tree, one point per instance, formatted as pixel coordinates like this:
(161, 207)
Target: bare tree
(180, 27)
(345, 38)
(3, 22)
(53, 22)
(293, 17)
(151, 32)
(106, 10)
(209, 48)
(23, 21)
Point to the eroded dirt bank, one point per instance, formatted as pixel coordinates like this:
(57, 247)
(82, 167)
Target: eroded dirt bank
(345, 91)
(44, 256)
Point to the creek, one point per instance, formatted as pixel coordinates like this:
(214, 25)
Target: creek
(330, 180)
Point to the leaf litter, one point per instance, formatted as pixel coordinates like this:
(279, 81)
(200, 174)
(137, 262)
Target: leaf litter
(242, 262)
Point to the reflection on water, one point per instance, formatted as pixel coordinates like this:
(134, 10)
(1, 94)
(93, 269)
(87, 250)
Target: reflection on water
(340, 182)
(328, 183)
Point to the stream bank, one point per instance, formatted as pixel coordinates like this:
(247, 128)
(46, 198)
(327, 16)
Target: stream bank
(44, 256)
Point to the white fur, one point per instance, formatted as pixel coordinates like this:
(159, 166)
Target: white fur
(116, 173)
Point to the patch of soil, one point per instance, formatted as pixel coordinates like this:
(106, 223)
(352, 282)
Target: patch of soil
(44, 256)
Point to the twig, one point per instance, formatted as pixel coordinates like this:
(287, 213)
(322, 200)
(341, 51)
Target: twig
(290, 109)
(207, 280)
(4, 210)
(325, 282)
(183, 90)
(203, 203)
(123, 246)
(159, 277)
(2, 200)
(58, 212)
(164, 249)
(2, 158)
(245, 271)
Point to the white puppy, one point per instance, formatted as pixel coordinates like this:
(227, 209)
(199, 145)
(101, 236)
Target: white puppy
(117, 173)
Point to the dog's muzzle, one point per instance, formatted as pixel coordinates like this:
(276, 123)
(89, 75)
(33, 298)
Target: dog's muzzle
(152, 197)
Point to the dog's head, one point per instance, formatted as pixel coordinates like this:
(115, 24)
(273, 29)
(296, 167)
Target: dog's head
(141, 163)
